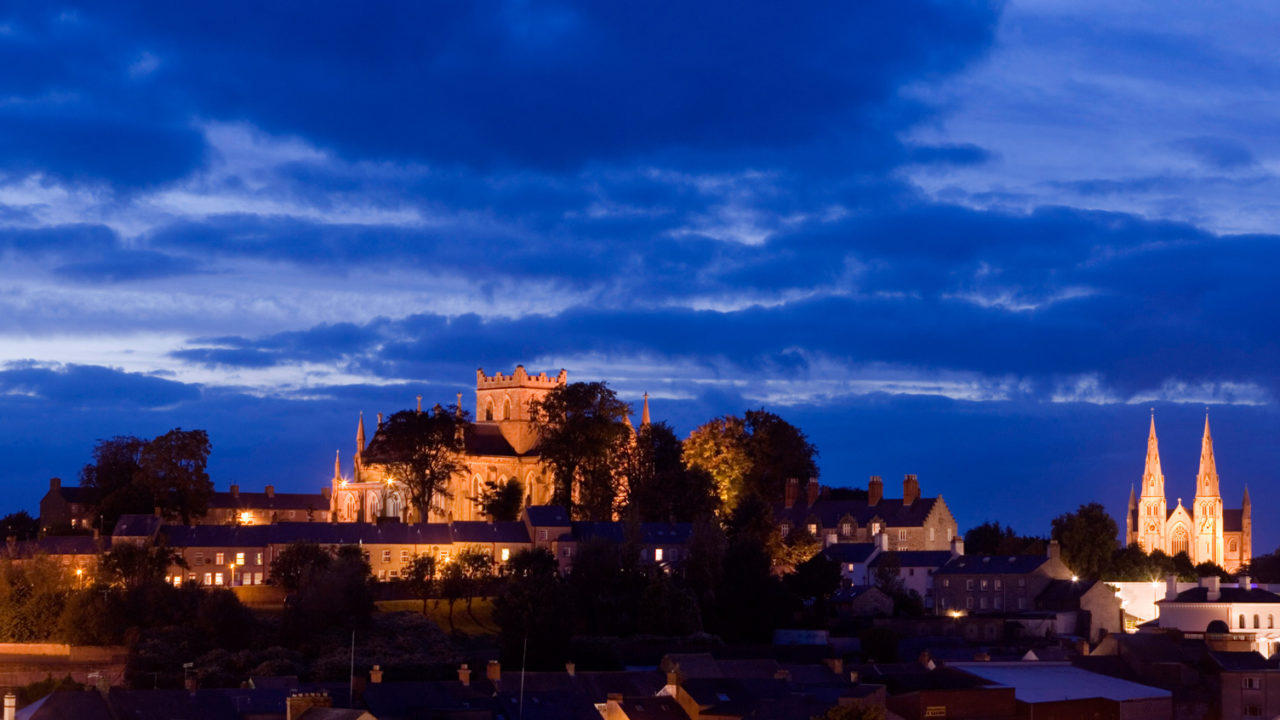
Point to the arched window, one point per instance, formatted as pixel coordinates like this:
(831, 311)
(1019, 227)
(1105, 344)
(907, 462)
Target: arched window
(506, 409)
(1256, 624)
(488, 411)
(1271, 622)
(1242, 622)
(1180, 542)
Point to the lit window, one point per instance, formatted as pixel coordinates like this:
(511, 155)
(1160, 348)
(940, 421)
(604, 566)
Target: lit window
(386, 556)
(257, 578)
(984, 583)
(257, 558)
(902, 533)
(846, 528)
(239, 558)
(657, 554)
(218, 559)
(813, 528)
(998, 583)
(542, 534)
(506, 554)
(946, 582)
(208, 578)
(404, 556)
(217, 578)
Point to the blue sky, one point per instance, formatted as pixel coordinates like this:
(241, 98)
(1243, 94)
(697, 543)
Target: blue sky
(973, 241)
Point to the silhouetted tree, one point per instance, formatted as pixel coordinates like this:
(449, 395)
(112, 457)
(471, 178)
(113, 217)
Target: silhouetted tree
(19, 525)
(501, 501)
(128, 565)
(534, 612)
(420, 576)
(1087, 538)
(663, 488)
(173, 466)
(990, 538)
(583, 440)
(422, 451)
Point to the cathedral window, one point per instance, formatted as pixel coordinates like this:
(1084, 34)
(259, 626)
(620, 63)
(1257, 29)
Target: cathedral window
(488, 411)
(1180, 542)
(506, 409)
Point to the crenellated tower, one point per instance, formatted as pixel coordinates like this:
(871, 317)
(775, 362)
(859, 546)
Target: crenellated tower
(1207, 507)
(1152, 506)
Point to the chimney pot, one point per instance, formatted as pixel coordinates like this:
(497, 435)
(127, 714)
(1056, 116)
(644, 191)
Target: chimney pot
(570, 668)
(375, 675)
(1055, 551)
(55, 483)
(464, 675)
(957, 546)
(792, 492)
(1245, 582)
(235, 491)
(271, 491)
(875, 490)
(10, 706)
(1170, 587)
(812, 491)
(493, 671)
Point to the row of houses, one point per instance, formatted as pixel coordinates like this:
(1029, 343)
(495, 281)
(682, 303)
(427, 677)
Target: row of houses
(226, 555)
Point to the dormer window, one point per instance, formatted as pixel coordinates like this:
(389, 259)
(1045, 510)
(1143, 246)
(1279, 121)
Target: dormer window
(846, 528)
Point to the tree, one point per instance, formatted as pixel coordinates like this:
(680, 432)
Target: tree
(754, 454)
(132, 566)
(990, 538)
(719, 448)
(19, 525)
(815, 580)
(116, 474)
(477, 565)
(453, 585)
(173, 466)
(297, 561)
(582, 438)
(854, 711)
(1087, 538)
(422, 451)
(663, 488)
(535, 612)
(501, 501)
(421, 575)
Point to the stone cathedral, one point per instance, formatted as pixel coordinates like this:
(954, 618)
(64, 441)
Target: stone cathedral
(1205, 531)
(502, 445)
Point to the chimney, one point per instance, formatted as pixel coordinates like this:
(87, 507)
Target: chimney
(1245, 582)
(1055, 551)
(271, 491)
(464, 675)
(882, 540)
(379, 421)
(493, 671)
(792, 492)
(811, 491)
(673, 677)
(1213, 584)
(159, 512)
(55, 483)
(910, 490)
(571, 668)
(957, 546)
(299, 703)
(97, 533)
(1170, 587)
(235, 491)
(10, 706)
(1082, 647)
(875, 491)
(375, 675)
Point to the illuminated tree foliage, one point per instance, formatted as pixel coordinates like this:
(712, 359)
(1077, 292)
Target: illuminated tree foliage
(663, 488)
(754, 454)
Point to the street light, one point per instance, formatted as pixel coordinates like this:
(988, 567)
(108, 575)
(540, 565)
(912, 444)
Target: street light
(231, 581)
(79, 578)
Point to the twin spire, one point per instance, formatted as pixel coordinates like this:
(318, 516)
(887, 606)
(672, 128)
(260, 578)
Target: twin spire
(1206, 478)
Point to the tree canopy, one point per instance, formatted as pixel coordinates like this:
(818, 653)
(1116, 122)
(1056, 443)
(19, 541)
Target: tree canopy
(422, 451)
(501, 501)
(757, 453)
(133, 475)
(583, 437)
(662, 487)
(1087, 538)
(990, 538)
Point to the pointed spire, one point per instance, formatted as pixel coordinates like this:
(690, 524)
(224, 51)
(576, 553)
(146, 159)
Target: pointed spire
(337, 465)
(644, 414)
(1133, 499)
(1152, 476)
(1247, 502)
(360, 434)
(1207, 478)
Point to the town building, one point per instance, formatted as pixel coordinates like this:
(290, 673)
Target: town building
(1206, 532)
(1214, 611)
(911, 522)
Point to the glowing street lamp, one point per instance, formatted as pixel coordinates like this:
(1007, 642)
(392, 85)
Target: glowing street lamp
(79, 578)
(231, 580)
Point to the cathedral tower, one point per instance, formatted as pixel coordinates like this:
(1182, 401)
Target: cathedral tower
(1207, 508)
(1152, 507)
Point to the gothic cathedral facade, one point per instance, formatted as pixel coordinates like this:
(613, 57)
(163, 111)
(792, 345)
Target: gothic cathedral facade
(502, 445)
(1206, 531)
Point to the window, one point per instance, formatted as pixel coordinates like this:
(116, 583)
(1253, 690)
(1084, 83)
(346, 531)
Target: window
(813, 528)
(1242, 622)
(968, 602)
(1253, 711)
(542, 534)
(191, 577)
(1256, 624)
(998, 583)
(657, 554)
(984, 583)
(506, 554)
(931, 532)
(784, 529)
(208, 578)
(257, 578)
(218, 559)
(217, 578)
(982, 602)
(846, 528)
(902, 533)
(998, 601)
(564, 552)
(257, 559)
(1022, 582)
(946, 582)
(395, 574)
(911, 572)
(199, 558)
(1022, 603)
(968, 584)
(1252, 683)
(386, 556)
(1271, 622)
(240, 558)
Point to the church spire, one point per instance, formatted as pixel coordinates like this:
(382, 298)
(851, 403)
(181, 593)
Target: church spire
(1207, 478)
(1152, 477)
(337, 465)
(644, 415)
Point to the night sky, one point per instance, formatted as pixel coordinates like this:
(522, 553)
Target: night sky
(977, 242)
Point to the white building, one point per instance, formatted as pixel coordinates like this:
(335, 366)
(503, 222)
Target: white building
(1244, 612)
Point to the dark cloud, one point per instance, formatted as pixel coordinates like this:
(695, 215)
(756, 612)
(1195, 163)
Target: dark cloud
(129, 265)
(1218, 153)
(92, 387)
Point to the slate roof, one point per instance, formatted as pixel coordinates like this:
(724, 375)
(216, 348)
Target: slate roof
(392, 533)
(1063, 594)
(652, 708)
(849, 552)
(547, 515)
(1244, 661)
(262, 501)
(1037, 682)
(616, 532)
(79, 494)
(486, 532)
(1227, 595)
(1232, 520)
(61, 545)
(829, 512)
(487, 439)
(915, 558)
(168, 704)
(993, 565)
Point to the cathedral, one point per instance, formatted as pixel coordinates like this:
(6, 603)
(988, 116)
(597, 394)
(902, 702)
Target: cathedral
(502, 445)
(1205, 531)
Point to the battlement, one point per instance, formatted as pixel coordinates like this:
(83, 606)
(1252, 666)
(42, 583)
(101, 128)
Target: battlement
(519, 379)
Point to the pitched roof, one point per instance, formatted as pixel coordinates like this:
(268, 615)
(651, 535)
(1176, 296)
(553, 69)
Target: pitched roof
(487, 532)
(1232, 520)
(849, 552)
(263, 501)
(544, 515)
(487, 439)
(391, 533)
(914, 558)
(1063, 594)
(1244, 661)
(993, 565)
(893, 512)
(62, 545)
(1226, 595)
(79, 494)
(1036, 682)
(167, 704)
(79, 704)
